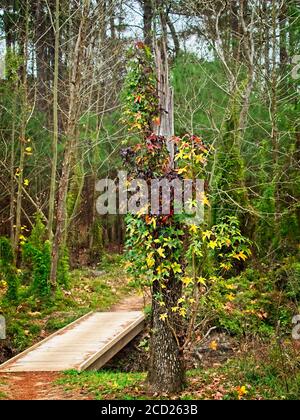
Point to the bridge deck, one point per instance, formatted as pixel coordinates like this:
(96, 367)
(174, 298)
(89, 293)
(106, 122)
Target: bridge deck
(86, 344)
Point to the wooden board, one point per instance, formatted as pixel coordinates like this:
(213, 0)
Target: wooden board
(87, 343)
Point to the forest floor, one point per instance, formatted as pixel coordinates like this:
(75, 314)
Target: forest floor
(92, 289)
(255, 375)
(222, 368)
(44, 385)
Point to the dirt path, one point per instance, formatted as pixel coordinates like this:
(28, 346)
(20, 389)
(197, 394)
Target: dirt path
(35, 386)
(130, 303)
(41, 385)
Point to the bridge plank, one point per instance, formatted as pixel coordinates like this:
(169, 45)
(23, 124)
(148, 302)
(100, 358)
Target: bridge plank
(87, 343)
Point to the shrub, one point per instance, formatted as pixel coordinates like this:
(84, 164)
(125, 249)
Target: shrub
(249, 304)
(63, 270)
(36, 254)
(8, 270)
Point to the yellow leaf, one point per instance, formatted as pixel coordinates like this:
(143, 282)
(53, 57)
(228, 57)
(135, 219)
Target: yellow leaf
(228, 242)
(161, 252)
(242, 391)
(230, 287)
(200, 159)
(128, 264)
(194, 229)
(143, 211)
(26, 182)
(206, 201)
(163, 317)
(201, 280)
(182, 312)
(187, 281)
(153, 222)
(230, 297)
(226, 267)
(150, 262)
(240, 256)
(187, 156)
(243, 256)
(176, 268)
(136, 125)
(213, 346)
(161, 270)
(182, 171)
(179, 155)
(207, 234)
(213, 244)
(28, 151)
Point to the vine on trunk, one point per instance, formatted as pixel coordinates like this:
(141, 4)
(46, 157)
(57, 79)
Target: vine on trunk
(167, 252)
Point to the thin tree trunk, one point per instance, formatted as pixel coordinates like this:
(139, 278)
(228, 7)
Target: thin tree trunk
(174, 35)
(23, 128)
(61, 214)
(12, 170)
(55, 124)
(148, 14)
(274, 108)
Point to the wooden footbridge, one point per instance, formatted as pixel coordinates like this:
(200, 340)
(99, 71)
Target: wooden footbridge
(86, 344)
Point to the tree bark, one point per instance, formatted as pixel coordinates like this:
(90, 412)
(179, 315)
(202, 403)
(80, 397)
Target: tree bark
(167, 372)
(24, 116)
(61, 214)
(174, 35)
(55, 125)
(148, 14)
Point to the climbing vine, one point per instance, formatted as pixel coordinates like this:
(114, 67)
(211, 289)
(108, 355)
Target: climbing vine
(162, 248)
(140, 98)
(171, 251)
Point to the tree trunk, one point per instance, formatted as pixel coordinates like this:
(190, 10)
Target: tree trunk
(12, 168)
(148, 19)
(24, 116)
(42, 45)
(61, 215)
(55, 125)
(174, 34)
(166, 373)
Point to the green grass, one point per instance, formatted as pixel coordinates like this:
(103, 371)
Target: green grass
(104, 384)
(3, 396)
(262, 375)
